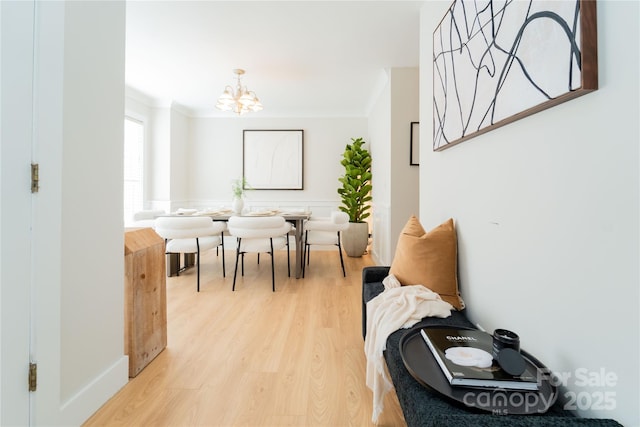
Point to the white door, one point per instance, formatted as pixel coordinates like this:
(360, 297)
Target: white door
(31, 40)
(16, 41)
(46, 406)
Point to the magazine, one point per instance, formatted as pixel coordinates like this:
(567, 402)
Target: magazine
(464, 355)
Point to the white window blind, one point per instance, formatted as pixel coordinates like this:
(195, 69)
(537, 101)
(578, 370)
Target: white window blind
(133, 167)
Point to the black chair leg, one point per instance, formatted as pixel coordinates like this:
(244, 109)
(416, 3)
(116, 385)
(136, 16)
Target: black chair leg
(235, 272)
(198, 261)
(273, 276)
(222, 244)
(305, 253)
(344, 274)
(288, 257)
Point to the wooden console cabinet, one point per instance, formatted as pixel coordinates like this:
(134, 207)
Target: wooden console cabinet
(145, 298)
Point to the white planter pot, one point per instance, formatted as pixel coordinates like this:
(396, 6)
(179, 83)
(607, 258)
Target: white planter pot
(355, 239)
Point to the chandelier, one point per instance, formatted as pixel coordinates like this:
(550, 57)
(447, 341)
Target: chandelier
(241, 100)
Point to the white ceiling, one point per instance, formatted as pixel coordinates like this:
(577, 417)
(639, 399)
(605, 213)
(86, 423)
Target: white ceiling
(302, 58)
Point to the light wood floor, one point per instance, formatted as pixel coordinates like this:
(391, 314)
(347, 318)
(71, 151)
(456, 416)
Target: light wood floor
(254, 357)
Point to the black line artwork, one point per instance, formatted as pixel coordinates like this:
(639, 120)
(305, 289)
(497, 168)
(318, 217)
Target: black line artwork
(494, 60)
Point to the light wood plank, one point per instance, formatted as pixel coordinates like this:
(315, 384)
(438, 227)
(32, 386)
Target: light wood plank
(145, 333)
(254, 357)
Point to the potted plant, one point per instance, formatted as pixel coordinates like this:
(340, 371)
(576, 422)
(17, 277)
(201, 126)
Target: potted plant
(356, 195)
(238, 188)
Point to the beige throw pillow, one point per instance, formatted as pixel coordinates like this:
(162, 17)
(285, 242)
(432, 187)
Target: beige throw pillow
(429, 259)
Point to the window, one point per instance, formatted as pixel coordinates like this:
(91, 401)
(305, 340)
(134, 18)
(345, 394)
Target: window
(133, 167)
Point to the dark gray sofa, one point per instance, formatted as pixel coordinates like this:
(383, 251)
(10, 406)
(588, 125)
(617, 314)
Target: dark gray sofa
(423, 407)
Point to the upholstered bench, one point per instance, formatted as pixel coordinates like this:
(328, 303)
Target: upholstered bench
(425, 407)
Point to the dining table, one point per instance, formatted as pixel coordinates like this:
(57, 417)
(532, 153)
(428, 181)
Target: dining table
(295, 217)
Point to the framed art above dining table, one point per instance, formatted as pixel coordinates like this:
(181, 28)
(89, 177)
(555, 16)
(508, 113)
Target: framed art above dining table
(273, 159)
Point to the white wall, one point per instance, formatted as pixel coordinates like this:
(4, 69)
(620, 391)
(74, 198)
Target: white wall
(91, 229)
(206, 156)
(405, 179)
(180, 158)
(547, 217)
(381, 170)
(395, 182)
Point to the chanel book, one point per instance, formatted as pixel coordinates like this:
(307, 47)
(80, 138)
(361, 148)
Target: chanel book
(464, 355)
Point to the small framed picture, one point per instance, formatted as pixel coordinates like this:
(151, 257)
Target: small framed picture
(414, 146)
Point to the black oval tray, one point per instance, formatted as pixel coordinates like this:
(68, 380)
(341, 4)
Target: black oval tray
(424, 368)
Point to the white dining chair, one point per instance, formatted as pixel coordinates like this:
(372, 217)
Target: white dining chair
(259, 235)
(324, 231)
(191, 234)
(146, 218)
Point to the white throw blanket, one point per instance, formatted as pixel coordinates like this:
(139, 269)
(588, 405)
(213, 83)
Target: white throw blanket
(397, 307)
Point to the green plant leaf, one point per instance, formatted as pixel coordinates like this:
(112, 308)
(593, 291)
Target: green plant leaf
(355, 191)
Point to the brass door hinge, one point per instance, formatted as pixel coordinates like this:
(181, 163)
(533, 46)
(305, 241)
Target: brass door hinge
(35, 180)
(33, 376)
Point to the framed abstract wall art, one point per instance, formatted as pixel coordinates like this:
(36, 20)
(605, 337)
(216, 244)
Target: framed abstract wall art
(495, 62)
(273, 159)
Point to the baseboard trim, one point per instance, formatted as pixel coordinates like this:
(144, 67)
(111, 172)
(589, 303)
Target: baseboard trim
(88, 400)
